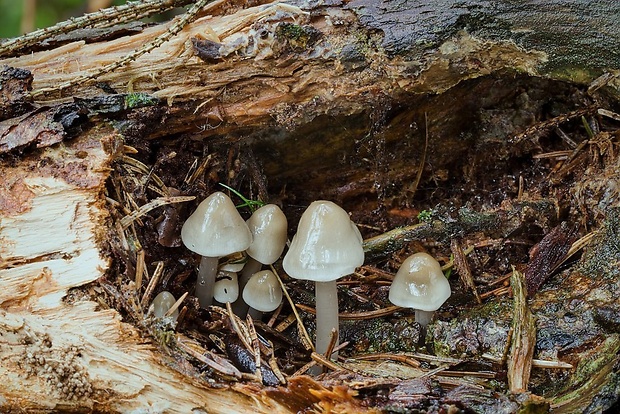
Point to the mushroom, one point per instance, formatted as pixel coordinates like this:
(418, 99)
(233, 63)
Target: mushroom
(226, 287)
(215, 229)
(262, 293)
(162, 303)
(268, 226)
(420, 284)
(326, 247)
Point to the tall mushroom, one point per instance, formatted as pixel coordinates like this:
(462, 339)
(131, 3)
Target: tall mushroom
(268, 226)
(215, 229)
(326, 247)
(420, 284)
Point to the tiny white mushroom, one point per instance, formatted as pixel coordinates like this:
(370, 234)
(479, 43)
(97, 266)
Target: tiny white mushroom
(226, 287)
(215, 229)
(327, 246)
(421, 285)
(162, 303)
(262, 293)
(268, 226)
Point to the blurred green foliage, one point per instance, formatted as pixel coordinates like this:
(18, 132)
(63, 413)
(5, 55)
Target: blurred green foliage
(48, 12)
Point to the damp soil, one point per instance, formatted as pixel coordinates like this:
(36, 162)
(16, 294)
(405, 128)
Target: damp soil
(490, 168)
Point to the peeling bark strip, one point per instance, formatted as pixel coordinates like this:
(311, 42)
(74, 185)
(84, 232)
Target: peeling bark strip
(547, 255)
(523, 338)
(462, 267)
(40, 128)
(14, 87)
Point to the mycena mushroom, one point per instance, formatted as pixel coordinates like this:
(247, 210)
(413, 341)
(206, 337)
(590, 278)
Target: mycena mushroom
(421, 285)
(268, 226)
(326, 247)
(262, 293)
(214, 230)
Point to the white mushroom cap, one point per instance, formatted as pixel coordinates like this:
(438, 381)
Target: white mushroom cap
(216, 229)
(162, 304)
(268, 226)
(327, 245)
(420, 284)
(226, 287)
(263, 291)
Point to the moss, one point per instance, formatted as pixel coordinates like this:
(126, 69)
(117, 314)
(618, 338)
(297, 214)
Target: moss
(136, 100)
(593, 379)
(298, 37)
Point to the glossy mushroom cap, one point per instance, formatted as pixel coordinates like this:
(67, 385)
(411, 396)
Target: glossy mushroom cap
(162, 303)
(226, 287)
(327, 245)
(268, 226)
(216, 229)
(420, 284)
(263, 291)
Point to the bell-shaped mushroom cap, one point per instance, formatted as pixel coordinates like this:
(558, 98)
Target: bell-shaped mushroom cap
(268, 227)
(327, 245)
(420, 284)
(162, 304)
(216, 229)
(226, 288)
(263, 291)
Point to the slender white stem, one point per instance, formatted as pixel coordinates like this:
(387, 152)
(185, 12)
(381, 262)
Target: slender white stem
(239, 307)
(206, 280)
(423, 317)
(326, 315)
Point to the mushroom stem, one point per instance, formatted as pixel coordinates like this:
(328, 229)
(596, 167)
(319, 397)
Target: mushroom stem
(240, 308)
(326, 315)
(255, 314)
(423, 318)
(205, 281)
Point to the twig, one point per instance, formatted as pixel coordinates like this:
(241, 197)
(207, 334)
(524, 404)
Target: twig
(159, 269)
(321, 360)
(536, 363)
(255, 346)
(151, 205)
(186, 18)
(176, 304)
(523, 338)
(307, 342)
(462, 267)
(140, 266)
(356, 316)
(133, 10)
(333, 338)
(394, 357)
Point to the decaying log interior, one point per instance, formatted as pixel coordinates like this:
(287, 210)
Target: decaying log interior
(485, 135)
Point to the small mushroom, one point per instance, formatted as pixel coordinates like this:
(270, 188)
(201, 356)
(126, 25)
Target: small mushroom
(162, 304)
(421, 285)
(262, 293)
(326, 247)
(214, 230)
(226, 287)
(268, 226)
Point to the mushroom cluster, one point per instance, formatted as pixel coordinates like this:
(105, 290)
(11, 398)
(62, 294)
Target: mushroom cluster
(326, 246)
(214, 230)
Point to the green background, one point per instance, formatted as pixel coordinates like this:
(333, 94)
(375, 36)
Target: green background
(48, 12)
